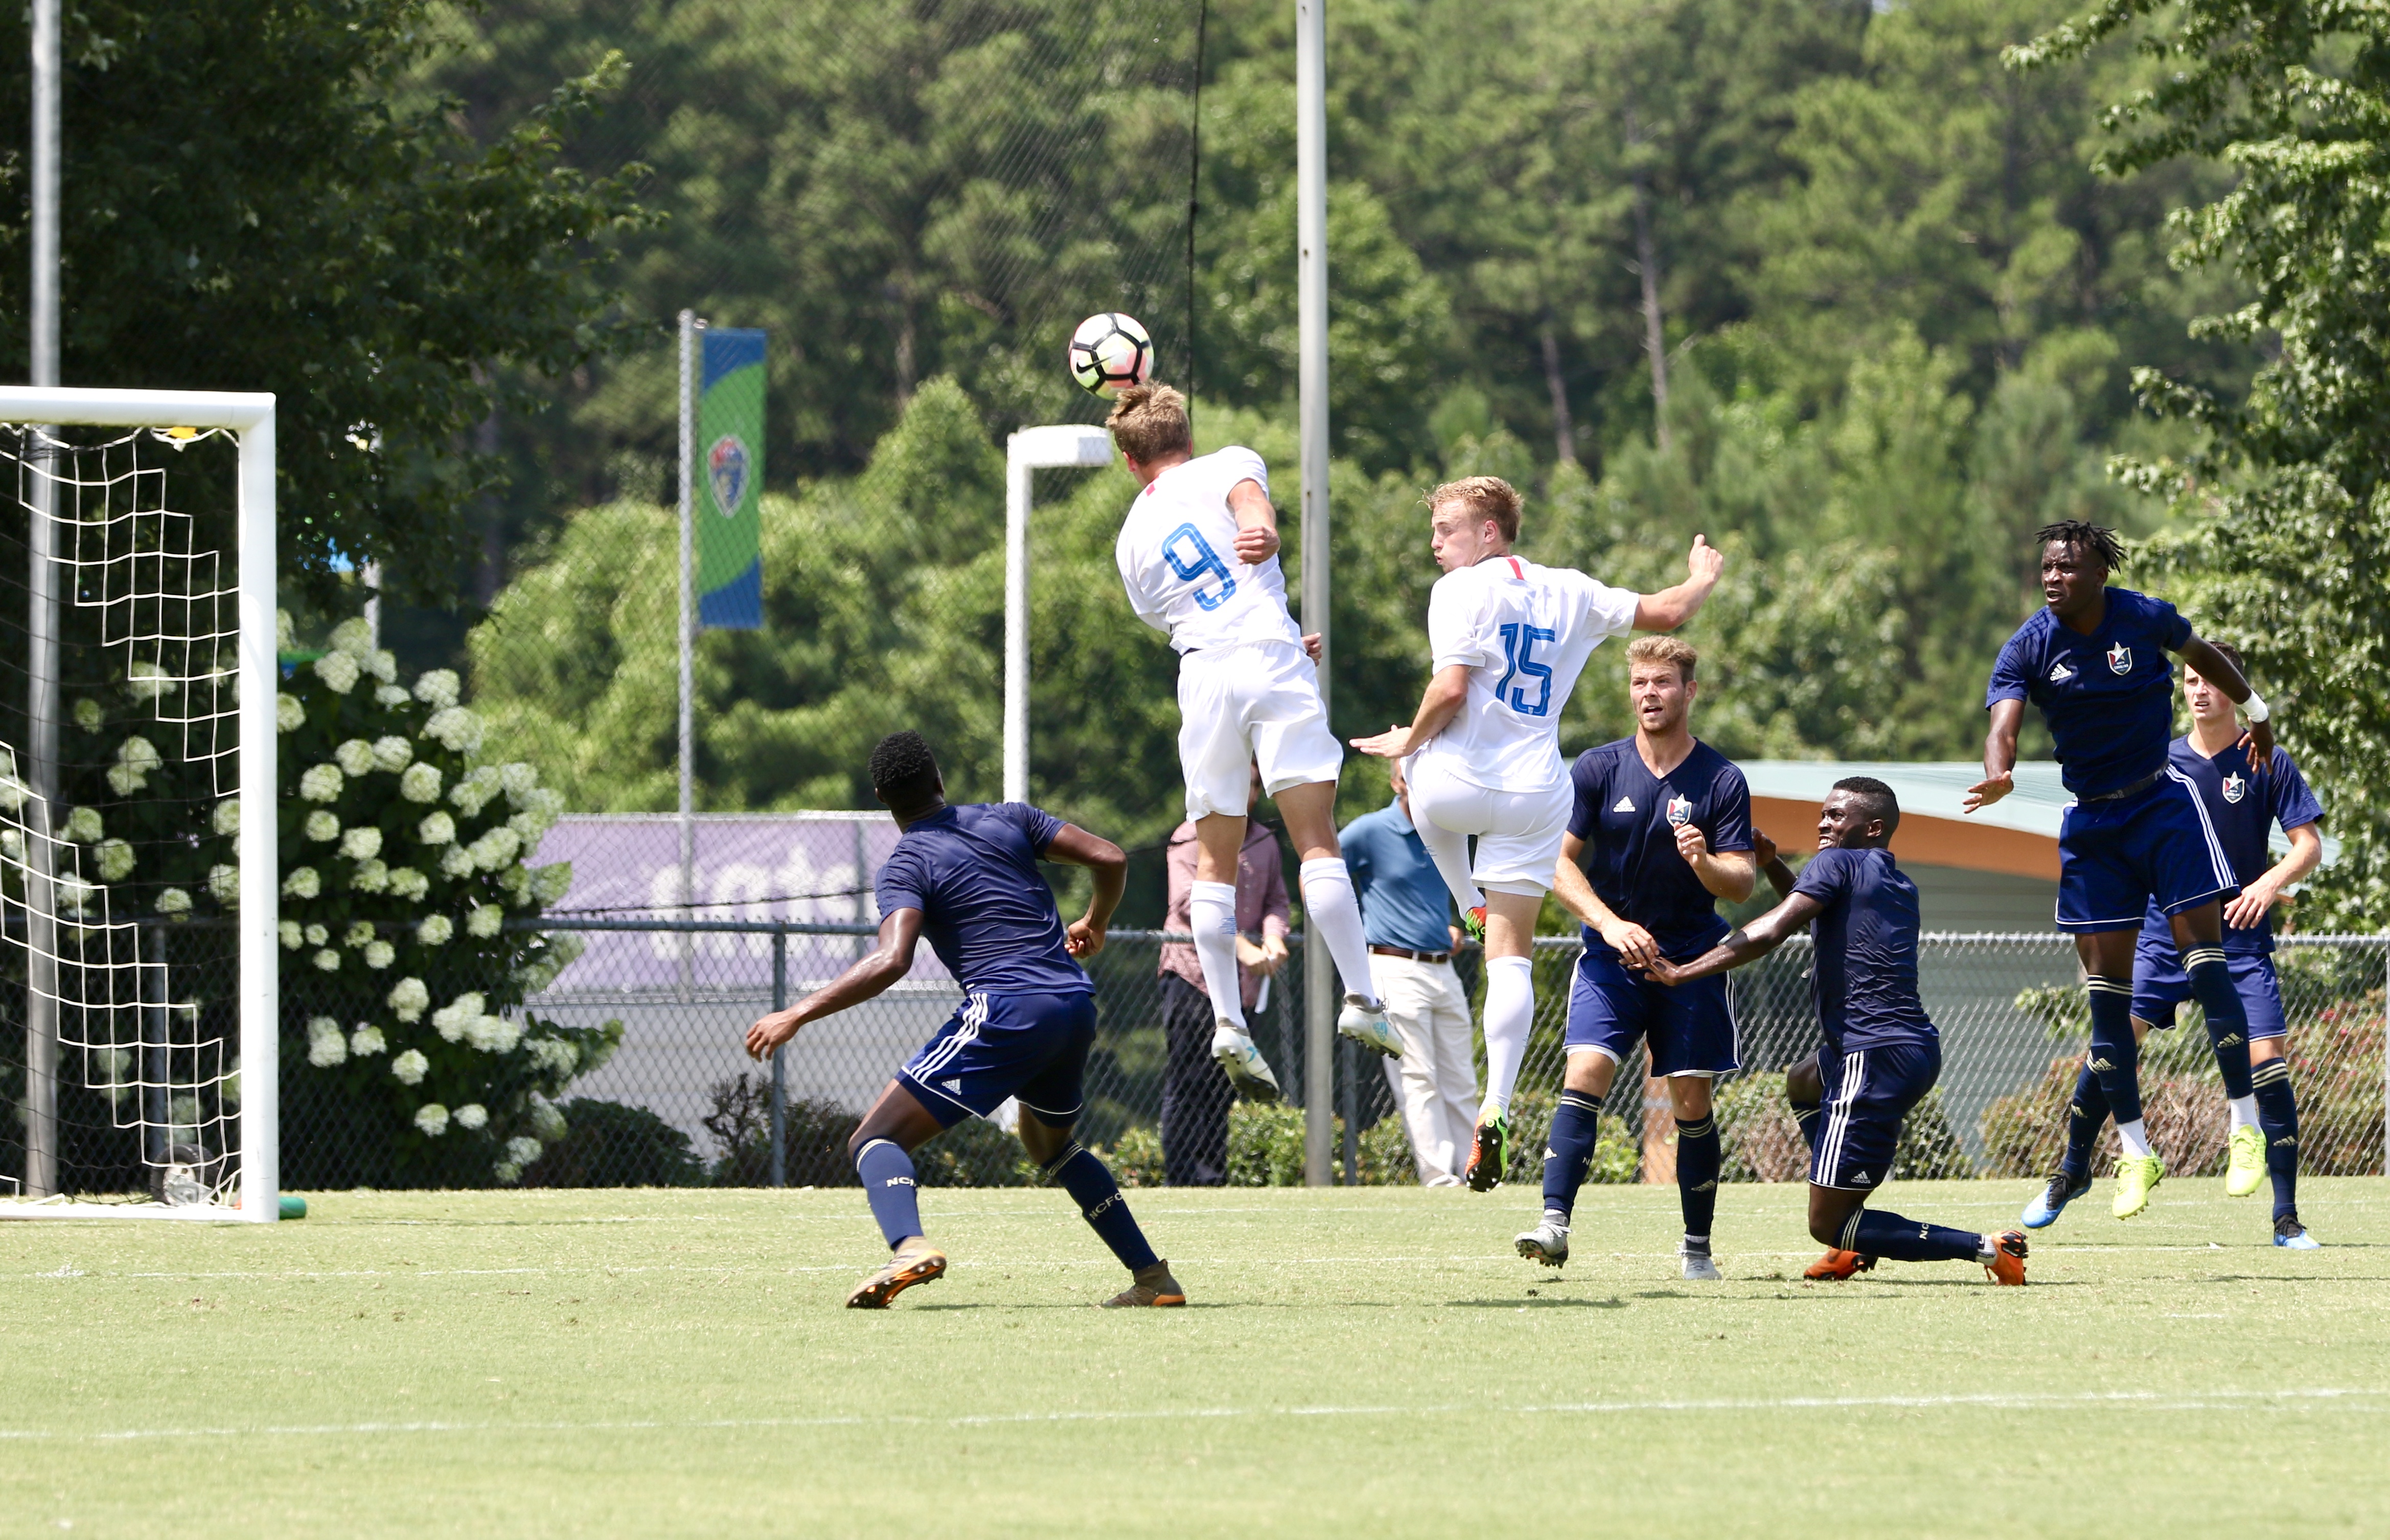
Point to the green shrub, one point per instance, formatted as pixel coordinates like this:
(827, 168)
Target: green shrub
(610, 1144)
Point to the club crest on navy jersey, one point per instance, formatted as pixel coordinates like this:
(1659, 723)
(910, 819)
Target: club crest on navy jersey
(2235, 788)
(2120, 658)
(1681, 811)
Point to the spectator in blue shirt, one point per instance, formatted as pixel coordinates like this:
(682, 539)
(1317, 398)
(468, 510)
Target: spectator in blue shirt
(1406, 915)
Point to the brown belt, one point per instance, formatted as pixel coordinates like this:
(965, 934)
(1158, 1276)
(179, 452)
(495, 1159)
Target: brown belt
(1409, 955)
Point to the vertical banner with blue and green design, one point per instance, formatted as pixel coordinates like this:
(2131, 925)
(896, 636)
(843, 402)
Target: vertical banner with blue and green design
(730, 476)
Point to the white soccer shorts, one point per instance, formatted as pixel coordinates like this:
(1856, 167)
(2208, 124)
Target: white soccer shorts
(1258, 700)
(1518, 832)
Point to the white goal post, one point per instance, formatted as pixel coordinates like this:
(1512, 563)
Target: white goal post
(256, 997)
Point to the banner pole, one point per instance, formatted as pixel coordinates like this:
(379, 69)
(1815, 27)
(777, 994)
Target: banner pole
(686, 636)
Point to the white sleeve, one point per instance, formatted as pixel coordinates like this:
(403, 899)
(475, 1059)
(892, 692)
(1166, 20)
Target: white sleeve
(1239, 463)
(1126, 557)
(1610, 611)
(1453, 612)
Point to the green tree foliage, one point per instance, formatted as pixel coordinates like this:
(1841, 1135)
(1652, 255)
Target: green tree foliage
(1894, 309)
(244, 208)
(2285, 503)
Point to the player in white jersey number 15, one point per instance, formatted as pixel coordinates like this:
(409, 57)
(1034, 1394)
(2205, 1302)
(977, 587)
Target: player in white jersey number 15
(1198, 554)
(1510, 638)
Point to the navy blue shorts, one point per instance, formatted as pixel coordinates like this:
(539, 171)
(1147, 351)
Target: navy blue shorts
(996, 1047)
(1690, 1027)
(2114, 857)
(1868, 1092)
(2160, 987)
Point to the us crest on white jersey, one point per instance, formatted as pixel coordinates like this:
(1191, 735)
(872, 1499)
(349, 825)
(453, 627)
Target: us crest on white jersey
(2235, 788)
(1681, 811)
(2120, 658)
(1625, 804)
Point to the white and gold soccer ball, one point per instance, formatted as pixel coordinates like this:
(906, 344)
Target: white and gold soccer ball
(1110, 353)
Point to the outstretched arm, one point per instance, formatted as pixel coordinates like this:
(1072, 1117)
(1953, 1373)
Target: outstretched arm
(1999, 757)
(888, 961)
(1671, 607)
(1446, 693)
(2217, 670)
(1074, 846)
(1759, 938)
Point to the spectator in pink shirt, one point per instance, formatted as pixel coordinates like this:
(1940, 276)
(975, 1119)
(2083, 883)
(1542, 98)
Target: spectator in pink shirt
(1195, 1092)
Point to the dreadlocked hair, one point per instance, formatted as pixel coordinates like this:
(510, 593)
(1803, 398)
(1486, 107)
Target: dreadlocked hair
(903, 770)
(2078, 535)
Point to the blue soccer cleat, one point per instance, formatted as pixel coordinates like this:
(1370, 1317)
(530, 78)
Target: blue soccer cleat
(2292, 1236)
(2052, 1200)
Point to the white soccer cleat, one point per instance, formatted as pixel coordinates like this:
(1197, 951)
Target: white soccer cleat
(1547, 1243)
(1365, 1022)
(1698, 1267)
(1247, 1070)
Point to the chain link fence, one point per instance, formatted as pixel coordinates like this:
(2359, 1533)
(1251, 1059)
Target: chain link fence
(678, 1102)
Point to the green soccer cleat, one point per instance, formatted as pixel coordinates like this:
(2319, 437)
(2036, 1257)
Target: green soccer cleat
(2247, 1167)
(1489, 1155)
(2137, 1177)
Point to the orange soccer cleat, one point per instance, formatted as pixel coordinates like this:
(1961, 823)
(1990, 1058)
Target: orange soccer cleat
(2005, 1264)
(1838, 1264)
(916, 1261)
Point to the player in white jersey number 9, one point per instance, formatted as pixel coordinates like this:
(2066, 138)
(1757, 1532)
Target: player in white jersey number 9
(1510, 638)
(1198, 555)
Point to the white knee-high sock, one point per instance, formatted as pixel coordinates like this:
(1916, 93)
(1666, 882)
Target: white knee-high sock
(1509, 1016)
(1450, 853)
(1330, 903)
(1212, 915)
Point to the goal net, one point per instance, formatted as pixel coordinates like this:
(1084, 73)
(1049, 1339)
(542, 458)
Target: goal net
(138, 1003)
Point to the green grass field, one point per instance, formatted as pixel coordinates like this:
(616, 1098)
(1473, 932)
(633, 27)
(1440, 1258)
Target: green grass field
(1369, 1361)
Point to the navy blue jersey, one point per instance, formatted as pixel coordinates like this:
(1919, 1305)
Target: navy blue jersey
(1628, 818)
(2108, 697)
(985, 908)
(2242, 809)
(1864, 975)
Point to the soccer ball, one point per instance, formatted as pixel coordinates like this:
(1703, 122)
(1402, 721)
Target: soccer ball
(1110, 353)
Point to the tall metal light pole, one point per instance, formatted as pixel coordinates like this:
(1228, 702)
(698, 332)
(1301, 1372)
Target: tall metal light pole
(1311, 292)
(41, 649)
(687, 634)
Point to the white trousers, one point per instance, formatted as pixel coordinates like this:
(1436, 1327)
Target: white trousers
(1435, 1080)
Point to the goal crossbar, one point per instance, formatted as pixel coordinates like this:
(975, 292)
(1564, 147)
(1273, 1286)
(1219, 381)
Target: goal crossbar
(250, 417)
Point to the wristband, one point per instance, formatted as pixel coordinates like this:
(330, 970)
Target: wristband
(2256, 709)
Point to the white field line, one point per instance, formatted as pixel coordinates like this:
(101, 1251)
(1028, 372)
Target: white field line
(69, 1273)
(2356, 1399)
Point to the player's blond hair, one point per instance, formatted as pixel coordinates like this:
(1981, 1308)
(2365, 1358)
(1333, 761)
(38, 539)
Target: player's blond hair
(1664, 650)
(1487, 496)
(1149, 421)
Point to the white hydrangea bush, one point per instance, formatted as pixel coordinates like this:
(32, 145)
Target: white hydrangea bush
(404, 860)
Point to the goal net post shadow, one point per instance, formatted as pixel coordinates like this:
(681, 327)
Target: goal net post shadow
(103, 544)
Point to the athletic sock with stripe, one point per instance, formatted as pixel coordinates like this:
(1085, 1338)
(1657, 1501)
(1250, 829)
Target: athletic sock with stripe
(1090, 1185)
(1873, 1232)
(2086, 1114)
(1568, 1152)
(2278, 1116)
(2228, 1020)
(889, 1186)
(1698, 1155)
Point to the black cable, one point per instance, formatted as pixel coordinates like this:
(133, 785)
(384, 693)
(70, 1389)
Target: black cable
(1194, 173)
